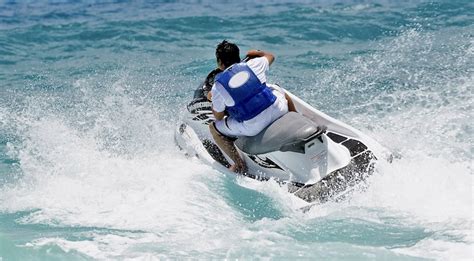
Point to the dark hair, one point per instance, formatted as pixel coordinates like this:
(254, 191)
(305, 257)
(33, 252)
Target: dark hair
(227, 53)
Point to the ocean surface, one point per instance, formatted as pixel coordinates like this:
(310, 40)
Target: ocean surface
(91, 93)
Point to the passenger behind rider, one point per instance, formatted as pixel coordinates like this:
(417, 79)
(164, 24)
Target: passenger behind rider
(242, 103)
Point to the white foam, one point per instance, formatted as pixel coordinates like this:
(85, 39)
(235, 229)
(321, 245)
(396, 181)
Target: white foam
(440, 250)
(119, 169)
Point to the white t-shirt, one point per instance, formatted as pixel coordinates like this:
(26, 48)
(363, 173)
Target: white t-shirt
(221, 98)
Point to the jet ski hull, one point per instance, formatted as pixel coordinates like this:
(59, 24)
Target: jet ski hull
(192, 135)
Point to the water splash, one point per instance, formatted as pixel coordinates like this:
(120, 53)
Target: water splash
(96, 173)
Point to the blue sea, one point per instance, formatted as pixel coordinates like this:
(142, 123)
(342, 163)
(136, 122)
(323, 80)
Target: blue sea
(91, 93)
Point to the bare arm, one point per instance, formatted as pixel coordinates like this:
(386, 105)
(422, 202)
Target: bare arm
(257, 53)
(291, 105)
(218, 115)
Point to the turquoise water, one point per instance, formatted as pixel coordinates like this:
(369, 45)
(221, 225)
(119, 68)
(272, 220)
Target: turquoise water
(90, 94)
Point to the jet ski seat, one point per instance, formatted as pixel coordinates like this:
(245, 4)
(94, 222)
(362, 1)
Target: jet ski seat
(289, 133)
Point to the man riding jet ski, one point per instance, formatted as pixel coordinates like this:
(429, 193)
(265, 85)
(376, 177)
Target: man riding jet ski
(318, 157)
(240, 91)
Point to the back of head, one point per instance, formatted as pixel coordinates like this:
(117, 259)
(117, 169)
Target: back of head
(227, 53)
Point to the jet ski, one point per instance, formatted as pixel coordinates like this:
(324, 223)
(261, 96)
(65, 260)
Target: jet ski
(318, 157)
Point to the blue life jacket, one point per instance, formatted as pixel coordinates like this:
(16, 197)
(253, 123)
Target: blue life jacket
(250, 96)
